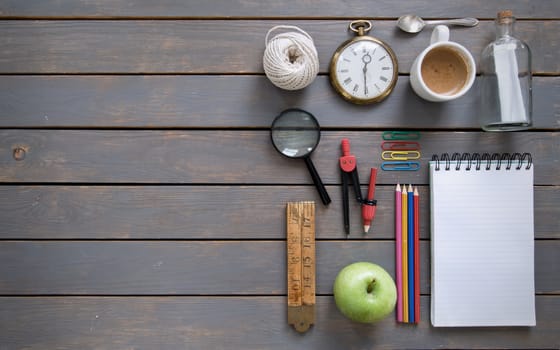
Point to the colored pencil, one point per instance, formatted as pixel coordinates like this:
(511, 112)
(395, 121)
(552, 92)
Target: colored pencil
(410, 226)
(398, 237)
(404, 244)
(416, 256)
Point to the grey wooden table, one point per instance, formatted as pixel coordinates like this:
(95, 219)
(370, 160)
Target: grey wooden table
(142, 204)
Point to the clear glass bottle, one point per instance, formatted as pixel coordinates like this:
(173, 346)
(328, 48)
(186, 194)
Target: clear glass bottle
(506, 97)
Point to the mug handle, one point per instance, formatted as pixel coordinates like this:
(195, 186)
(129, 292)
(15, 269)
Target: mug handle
(440, 33)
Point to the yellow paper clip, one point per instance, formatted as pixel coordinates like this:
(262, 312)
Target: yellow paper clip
(400, 155)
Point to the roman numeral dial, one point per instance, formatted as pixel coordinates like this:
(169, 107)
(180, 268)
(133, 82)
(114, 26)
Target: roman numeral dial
(363, 70)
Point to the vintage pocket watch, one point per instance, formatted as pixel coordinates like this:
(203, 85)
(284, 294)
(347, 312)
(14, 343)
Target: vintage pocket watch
(363, 69)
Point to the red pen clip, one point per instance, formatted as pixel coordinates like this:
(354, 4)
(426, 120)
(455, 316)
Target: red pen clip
(370, 204)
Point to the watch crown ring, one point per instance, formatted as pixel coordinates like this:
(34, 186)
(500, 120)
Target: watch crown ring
(360, 26)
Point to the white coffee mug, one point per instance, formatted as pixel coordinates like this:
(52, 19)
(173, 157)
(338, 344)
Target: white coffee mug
(444, 71)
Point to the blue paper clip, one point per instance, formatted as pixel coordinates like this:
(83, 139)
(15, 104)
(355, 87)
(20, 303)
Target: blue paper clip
(401, 135)
(400, 166)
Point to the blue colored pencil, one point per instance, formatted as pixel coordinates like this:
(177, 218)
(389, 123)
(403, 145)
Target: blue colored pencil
(410, 212)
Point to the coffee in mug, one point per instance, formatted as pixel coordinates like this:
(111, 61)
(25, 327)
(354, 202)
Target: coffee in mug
(444, 71)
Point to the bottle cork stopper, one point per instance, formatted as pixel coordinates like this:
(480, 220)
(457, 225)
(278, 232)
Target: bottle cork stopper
(505, 16)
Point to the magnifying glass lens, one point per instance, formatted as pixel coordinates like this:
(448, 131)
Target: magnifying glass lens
(295, 133)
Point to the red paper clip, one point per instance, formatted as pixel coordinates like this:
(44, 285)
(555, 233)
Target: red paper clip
(400, 146)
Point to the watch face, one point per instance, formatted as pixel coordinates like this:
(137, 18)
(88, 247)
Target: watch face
(363, 71)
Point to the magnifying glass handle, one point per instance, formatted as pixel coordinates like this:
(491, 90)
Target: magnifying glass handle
(317, 181)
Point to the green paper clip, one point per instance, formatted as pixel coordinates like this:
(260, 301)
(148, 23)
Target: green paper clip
(400, 166)
(401, 135)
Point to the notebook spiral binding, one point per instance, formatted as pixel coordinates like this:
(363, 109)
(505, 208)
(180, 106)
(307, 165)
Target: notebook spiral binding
(496, 159)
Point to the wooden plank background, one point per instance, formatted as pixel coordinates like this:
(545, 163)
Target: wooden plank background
(140, 101)
(180, 212)
(218, 46)
(186, 323)
(230, 268)
(145, 209)
(196, 156)
(272, 9)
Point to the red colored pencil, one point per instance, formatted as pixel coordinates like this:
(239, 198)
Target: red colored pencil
(398, 267)
(404, 253)
(416, 257)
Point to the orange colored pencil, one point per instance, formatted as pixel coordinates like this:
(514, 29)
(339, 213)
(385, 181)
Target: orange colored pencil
(404, 230)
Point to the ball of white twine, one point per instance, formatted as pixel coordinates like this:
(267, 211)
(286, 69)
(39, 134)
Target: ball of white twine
(290, 59)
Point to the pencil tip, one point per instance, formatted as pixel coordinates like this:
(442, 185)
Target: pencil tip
(416, 190)
(398, 187)
(409, 188)
(366, 228)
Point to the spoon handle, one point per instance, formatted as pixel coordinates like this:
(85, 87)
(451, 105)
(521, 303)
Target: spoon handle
(467, 22)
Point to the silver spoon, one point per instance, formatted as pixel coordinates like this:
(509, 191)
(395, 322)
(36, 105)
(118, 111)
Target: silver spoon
(414, 24)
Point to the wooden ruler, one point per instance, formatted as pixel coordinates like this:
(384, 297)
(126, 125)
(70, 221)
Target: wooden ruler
(300, 225)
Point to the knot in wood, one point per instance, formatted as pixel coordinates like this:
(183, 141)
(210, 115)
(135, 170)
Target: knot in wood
(19, 153)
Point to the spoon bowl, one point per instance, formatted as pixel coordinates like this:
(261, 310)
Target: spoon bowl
(411, 23)
(414, 24)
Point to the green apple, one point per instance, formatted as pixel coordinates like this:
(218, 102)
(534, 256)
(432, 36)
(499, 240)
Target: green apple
(365, 292)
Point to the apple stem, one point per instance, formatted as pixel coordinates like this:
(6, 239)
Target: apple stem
(370, 286)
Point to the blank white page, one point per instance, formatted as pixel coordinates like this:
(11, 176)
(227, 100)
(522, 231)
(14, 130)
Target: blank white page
(482, 246)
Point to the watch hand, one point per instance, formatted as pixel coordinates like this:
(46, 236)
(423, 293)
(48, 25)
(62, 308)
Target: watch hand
(365, 80)
(366, 59)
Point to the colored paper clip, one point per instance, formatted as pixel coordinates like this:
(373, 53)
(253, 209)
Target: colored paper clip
(400, 155)
(400, 146)
(400, 166)
(401, 135)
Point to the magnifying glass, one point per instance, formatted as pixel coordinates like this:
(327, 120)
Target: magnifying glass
(295, 133)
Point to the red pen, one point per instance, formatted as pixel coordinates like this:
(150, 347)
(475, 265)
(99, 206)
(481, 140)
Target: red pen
(370, 204)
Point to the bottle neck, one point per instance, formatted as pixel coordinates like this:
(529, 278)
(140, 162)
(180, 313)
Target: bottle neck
(505, 27)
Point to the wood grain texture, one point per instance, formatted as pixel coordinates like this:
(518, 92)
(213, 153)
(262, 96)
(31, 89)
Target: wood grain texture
(184, 268)
(269, 8)
(219, 46)
(189, 212)
(239, 323)
(244, 102)
(203, 268)
(240, 157)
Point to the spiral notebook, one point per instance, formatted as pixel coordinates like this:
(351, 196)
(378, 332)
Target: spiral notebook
(482, 240)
